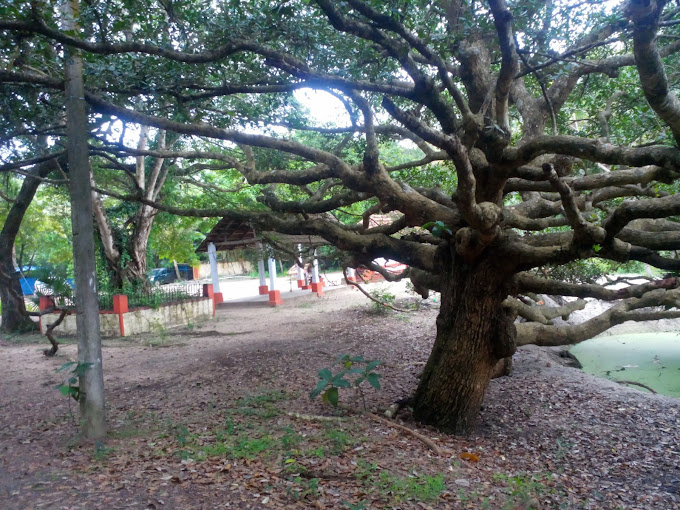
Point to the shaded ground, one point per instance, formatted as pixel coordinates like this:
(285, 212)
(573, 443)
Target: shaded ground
(206, 418)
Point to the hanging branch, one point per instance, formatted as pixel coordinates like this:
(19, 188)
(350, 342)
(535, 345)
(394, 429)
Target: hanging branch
(367, 294)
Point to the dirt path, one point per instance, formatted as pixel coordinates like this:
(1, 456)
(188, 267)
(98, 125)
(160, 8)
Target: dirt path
(206, 418)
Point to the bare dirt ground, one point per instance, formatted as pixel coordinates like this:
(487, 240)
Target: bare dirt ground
(218, 416)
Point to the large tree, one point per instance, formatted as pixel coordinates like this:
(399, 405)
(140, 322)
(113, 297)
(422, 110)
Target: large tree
(548, 132)
(15, 318)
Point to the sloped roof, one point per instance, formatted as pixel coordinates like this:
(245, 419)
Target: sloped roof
(231, 234)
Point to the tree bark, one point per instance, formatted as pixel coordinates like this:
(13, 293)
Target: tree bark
(92, 410)
(474, 331)
(132, 268)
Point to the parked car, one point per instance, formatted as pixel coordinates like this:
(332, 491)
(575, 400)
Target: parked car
(163, 275)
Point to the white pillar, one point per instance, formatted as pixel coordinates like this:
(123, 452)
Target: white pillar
(315, 269)
(212, 255)
(300, 272)
(351, 274)
(260, 266)
(272, 274)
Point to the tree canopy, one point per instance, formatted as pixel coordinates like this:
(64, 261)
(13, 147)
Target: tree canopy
(507, 137)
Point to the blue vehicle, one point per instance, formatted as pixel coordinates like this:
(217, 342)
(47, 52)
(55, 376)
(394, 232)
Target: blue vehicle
(162, 275)
(28, 281)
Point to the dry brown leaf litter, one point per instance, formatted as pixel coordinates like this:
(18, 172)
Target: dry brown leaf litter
(208, 421)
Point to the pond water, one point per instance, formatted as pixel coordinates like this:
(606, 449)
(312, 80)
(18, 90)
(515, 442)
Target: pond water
(649, 358)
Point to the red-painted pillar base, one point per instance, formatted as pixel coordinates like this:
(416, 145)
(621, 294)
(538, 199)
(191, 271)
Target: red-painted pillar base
(301, 284)
(208, 290)
(264, 290)
(44, 303)
(209, 293)
(219, 298)
(275, 298)
(318, 288)
(120, 306)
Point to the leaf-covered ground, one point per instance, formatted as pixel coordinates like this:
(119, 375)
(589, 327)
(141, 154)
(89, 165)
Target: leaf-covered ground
(218, 416)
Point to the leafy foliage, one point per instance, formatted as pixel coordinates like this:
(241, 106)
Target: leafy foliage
(356, 368)
(71, 386)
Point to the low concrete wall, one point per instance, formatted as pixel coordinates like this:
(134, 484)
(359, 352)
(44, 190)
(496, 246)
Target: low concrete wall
(141, 320)
(108, 324)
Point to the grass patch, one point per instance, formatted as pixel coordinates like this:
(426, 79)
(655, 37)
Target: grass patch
(261, 405)
(524, 491)
(337, 439)
(236, 448)
(409, 488)
(102, 453)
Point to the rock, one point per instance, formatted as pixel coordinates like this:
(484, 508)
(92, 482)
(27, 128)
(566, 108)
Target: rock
(563, 357)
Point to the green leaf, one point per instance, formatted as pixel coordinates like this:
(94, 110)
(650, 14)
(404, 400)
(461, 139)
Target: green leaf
(319, 388)
(325, 374)
(596, 248)
(331, 396)
(81, 368)
(372, 364)
(342, 373)
(359, 380)
(374, 380)
(64, 389)
(342, 383)
(66, 366)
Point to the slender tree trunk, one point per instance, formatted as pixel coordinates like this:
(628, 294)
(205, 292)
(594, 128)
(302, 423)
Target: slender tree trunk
(92, 410)
(473, 333)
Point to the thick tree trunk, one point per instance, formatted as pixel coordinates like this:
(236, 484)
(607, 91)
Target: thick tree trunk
(474, 331)
(134, 270)
(14, 317)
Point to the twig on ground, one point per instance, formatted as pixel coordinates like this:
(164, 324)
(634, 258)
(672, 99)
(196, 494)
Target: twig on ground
(638, 384)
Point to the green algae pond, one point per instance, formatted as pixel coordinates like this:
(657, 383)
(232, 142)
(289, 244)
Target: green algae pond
(648, 358)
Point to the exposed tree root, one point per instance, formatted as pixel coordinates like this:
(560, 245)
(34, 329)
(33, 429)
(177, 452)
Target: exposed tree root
(394, 409)
(634, 383)
(314, 417)
(311, 417)
(437, 451)
(50, 337)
